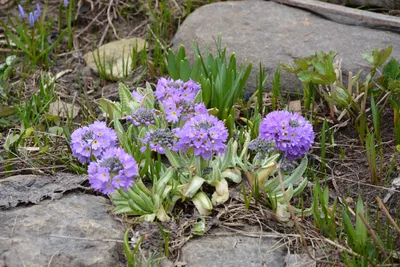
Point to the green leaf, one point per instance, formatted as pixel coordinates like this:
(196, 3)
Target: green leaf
(46, 51)
(361, 229)
(184, 70)
(199, 227)
(300, 187)
(11, 139)
(6, 111)
(171, 65)
(119, 129)
(383, 55)
(109, 107)
(125, 97)
(16, 40)
(392, 69)
(296, 174)
(128, 253)
(351, 233)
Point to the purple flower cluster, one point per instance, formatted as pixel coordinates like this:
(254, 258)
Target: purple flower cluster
(142, 116)
(168, 88)
(33, 16)
(203, 133)
(137, 97)
(177, 98)
(182, 109)
(92, 140)
(292, 134)
(116, 169)
(158, 140)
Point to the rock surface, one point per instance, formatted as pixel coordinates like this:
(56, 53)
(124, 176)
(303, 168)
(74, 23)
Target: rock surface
(117, 54)
(273, 33)
(221, 248)
(75, 230)
(31, 189)
(389, 4)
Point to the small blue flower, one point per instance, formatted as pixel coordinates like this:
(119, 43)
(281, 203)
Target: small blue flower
(36, 14)
(66, 2)
(21, 11)
(31, 19)
(38, 11)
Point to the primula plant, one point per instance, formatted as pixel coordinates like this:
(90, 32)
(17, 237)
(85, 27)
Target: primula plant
(167, 139)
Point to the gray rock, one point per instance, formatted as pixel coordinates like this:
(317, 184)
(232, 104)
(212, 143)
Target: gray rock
(76, 230)
(299, 260)
(221, 248)
(389, 4)
(31, 189)
(117, 54)
(273, 33)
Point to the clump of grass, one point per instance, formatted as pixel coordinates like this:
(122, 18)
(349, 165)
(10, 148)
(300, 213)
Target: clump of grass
(32, 36)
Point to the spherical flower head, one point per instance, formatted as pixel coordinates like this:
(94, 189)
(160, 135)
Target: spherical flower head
(292, 134)
(115, 170)
(142, 116)
(92, 140)
(203, 133)
(158, 140)
(262, 147)
(137, 97)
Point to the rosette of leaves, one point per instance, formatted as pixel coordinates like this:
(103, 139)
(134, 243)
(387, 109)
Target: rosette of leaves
(195, 171)
(147, 203)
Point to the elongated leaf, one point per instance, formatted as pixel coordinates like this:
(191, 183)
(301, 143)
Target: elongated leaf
(51, 47)
(300, 187)
(361, 229)
(17, 41)
(125, 97)
(350, 231)
(128, 253)
(184, 70)
(297, 173)
(171, 65)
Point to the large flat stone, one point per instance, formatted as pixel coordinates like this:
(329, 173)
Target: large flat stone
(31, 189)
(221, 248)
(389, 4)
(271, 33)
(76, 230)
